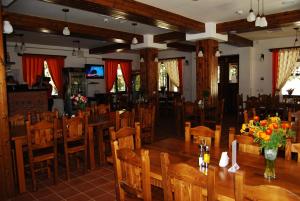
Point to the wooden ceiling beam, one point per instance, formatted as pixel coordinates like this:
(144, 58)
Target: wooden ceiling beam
(169, 37)
(135, 11)
(37, 24)
(239, 41)
(110, 48)
(274, 21)
(182, 47)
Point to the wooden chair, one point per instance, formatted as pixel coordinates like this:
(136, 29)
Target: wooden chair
(211, 116)
(249, 115)
(261, 192)
(101, 109)
(75, 131)
(16, 120)
(127, 137)
(245, 143)
(33, 117)
(49, 116)
(186, 182)
(189, 113)
(147, 122)
(42, 146)
(124, 118)
(132, 172)
(201, 132)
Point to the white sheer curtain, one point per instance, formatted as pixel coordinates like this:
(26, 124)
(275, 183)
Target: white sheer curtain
(172, 70)
(286, 65)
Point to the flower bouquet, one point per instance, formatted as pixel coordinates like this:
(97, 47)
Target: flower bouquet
(79, 101)
(269, 133)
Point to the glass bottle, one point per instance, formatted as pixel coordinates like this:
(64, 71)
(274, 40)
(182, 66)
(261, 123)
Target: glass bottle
(201, 156)
(206, 156)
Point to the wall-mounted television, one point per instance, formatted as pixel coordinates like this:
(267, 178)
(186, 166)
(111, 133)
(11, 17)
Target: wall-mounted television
(94, 71)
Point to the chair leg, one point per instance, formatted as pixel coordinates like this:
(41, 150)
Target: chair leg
(34, 186)
(85, 160)
(55, 170)
(48, 168)
(67, 166)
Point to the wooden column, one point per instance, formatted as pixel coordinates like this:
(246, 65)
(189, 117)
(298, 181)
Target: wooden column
(207, 69)
(149, 67)
(6, 176)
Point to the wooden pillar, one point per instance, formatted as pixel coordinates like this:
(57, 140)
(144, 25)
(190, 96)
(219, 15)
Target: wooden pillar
(149, 70)
(6, 176)
(207, 69)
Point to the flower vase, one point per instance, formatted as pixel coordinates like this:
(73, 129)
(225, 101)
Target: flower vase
(270, 157)
(81, 106)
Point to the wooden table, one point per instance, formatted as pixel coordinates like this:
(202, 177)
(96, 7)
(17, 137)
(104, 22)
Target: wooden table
(18, 136)
(287, 172)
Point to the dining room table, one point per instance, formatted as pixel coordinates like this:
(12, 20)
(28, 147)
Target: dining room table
(18, 136)
(287, 172)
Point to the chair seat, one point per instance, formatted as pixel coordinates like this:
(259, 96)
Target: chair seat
(45, 157)
(72, 150)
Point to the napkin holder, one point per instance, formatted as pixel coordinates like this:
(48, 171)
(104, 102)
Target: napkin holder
(224, 160)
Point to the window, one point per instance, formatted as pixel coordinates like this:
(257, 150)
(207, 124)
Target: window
(137, 83)
(119, 85)
(293, 82)
(164, 83)
(47, 74)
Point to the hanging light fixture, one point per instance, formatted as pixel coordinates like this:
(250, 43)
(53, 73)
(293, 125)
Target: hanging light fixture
(251, 17)
(7, 27)
(263, 20)
(66, 30)
(257, 21)
(296, 39)
(200, 53)
(134, 40)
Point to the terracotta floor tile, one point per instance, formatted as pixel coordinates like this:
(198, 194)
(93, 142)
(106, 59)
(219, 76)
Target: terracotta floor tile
(52, 197)
(99, 181)
(108, 187)
(95, 192)
(105, 197)
(75, 181)
(85, 186)
(23, 197)
(68, 192)
(42, 192)
(59, 187)
(78, 197)
(109, 176)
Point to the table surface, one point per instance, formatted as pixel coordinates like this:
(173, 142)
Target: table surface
(287, 172)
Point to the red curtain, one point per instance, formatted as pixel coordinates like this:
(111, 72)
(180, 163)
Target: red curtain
(33, 66)
(56, 65)
(126, 70)
(180, 64)
(275, 70)
(111, 67)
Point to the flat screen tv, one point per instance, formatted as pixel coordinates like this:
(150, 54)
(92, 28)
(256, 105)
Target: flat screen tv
(94, 71)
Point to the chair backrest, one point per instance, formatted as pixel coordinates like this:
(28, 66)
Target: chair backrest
(261, 192)
(245, 143)
(75, 128)
(33, 117)
(124, 118)
(132, 172)
(188, 108)
(147, 116)
(249, 114)
(41, 135)
(49, 116)
(100, 109)
(186, 182)
(127, 137)
(199, 133)
(16, 120)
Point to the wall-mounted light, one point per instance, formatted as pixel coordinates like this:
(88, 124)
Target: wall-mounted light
(218, 53)
(142, 60)
(200, 53)
(7, 27)
(262, 57)
(156, 59)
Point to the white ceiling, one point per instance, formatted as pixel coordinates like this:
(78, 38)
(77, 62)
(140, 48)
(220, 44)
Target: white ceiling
(201, 10)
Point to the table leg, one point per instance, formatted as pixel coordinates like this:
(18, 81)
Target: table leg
(91, 147)
(101, 146)
(20, 165)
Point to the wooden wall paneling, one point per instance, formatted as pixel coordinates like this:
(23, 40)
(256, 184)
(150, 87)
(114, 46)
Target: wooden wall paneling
(149, 70)
(6, 171)
(169, 37)
(110, 48)
(206, 69)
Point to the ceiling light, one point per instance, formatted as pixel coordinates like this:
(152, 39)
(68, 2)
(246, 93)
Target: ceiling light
(251, 17)
(296, 39)
(7, 27)
(134, 40)
(200, 53)
(156, 59)
(263, 20)
(66, 30)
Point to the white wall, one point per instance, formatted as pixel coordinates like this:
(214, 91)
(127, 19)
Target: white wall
(70, 61)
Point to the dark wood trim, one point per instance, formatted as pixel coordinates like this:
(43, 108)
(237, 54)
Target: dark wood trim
(110, 48)
(239, 41)
(169, 37)
(117, 59)
(182, 47)
(281, 48)
(44, 55)
(163, 59)
(274, 21)
(135, 11)
(37, 24)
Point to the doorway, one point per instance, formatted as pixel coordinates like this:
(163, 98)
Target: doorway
(228, 82)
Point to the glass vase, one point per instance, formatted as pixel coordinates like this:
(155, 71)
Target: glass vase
(270, 157)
